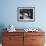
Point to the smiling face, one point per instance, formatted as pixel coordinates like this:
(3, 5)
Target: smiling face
(26, 16)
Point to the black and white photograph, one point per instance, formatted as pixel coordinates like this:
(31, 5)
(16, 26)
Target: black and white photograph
(26, 14)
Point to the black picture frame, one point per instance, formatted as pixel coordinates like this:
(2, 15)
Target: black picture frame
(26, 14)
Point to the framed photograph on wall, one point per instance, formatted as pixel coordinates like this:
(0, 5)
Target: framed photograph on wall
(26, 14)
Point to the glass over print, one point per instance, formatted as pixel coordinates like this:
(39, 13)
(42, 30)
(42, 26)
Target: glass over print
(26, 14)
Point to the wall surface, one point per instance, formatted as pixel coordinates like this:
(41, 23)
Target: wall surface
(8, 13)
